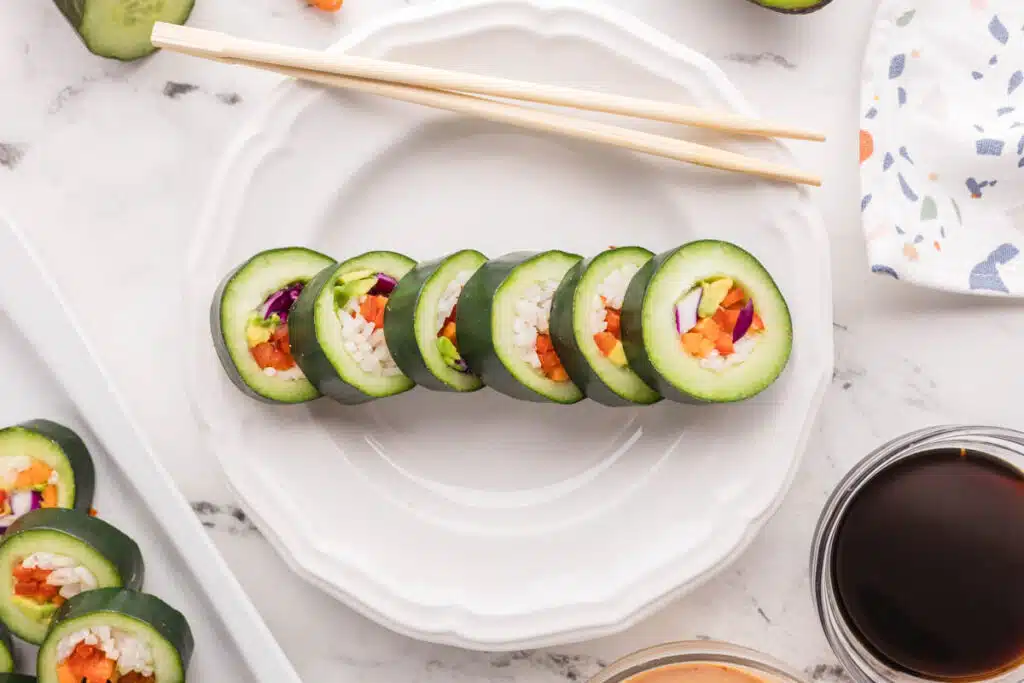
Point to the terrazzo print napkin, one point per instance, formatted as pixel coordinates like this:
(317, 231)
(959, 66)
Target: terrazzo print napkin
(942, 144)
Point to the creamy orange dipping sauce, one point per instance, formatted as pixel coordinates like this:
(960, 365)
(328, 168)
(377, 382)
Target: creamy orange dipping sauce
(696, 672)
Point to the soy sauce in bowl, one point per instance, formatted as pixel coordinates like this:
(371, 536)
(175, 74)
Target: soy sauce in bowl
(920, 561)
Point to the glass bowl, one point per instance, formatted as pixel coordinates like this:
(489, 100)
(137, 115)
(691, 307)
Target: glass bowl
(763, 666)
(1004, 445)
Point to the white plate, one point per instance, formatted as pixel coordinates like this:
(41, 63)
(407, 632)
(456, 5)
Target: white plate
(49, 372)
(477, 520)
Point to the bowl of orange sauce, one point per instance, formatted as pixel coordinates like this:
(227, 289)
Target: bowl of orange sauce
(700, 661)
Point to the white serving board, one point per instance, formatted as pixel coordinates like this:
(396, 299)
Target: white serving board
(49, 372)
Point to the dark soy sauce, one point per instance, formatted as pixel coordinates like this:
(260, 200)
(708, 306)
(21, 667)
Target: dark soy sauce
(929, 565)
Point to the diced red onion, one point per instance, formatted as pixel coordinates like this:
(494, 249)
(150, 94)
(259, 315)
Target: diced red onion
(281, 302)
(385, 284)
(25, 501)
(461, 365)
(744, 321)
(686, 310)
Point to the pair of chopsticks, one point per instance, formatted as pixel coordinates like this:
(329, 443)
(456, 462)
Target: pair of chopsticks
(471, 94)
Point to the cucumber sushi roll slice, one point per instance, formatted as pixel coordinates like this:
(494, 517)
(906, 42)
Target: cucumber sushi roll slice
(587, 332)
(705, 323)
(115, 634)
(420, 327)
(49, 556)
(7, 664)
(249, 320)
(120, 29)
(43, 465)
(503, 321)
(338, 328)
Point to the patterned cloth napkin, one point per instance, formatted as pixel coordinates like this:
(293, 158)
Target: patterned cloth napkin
(942, 144)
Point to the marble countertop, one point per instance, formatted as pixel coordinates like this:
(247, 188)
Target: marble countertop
(105, 166)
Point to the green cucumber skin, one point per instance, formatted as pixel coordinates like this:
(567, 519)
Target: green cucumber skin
(400, 326)
(17, 678)
(220, 343)
(783, 10)
(74, 12)
(633, 333)
(154, 612)
(76, 452)
(105, 538)
(306, 347)
(7, 642)
(563, 336)
(473, 321)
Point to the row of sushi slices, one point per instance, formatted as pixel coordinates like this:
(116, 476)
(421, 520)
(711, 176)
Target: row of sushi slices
(704, 323)
(71, 582)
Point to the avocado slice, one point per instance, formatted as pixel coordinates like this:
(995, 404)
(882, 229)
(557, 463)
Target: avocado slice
(792, 6)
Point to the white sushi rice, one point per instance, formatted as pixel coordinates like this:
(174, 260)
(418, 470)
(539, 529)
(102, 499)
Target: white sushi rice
(446, 304)
(364, 343)
(741, 352)
(291, 373)
(66, 572)
(613, 289)
(533, 312)
(130, 652)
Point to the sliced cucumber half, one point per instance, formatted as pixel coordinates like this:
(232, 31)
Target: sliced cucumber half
(591, 295)
(249, 320)
(685, 286)
(36, 455)
(504, 314)
(120, 29)
(419, 327)
(152, 629)
(344, 354)
(83, 552)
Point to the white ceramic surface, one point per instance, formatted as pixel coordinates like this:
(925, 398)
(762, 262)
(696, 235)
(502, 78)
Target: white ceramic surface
(450, 518)
(49, 372)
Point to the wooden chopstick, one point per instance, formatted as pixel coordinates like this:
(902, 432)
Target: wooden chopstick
(172, 36)
(532, 119)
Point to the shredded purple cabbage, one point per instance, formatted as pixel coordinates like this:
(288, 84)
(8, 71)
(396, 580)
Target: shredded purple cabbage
(744, 321)
(281, 302)
(385, 285)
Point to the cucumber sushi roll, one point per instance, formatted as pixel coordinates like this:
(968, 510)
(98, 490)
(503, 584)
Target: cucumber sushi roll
(705, 323)
(115, 634)
(587, 332)
(43, 465)
(249, 319)
(504, 326)
(420, 327)
(49, 556)
(338, 328)
(120, 29)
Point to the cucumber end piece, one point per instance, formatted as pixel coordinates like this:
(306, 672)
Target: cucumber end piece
(121, 29)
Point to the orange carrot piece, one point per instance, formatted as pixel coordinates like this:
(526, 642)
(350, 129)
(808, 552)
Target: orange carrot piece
(37, 473)
(544, 344)
(735, 296)
(706, 347)
(65, 675)
(327, 5)
(724, 344)
(691, 342)
(606, 342)
(448, 332)
(708, 328)
(372, 310)
(757, 325)
(613, 319)
(49, 496)
(726, 319)
(558, 374)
